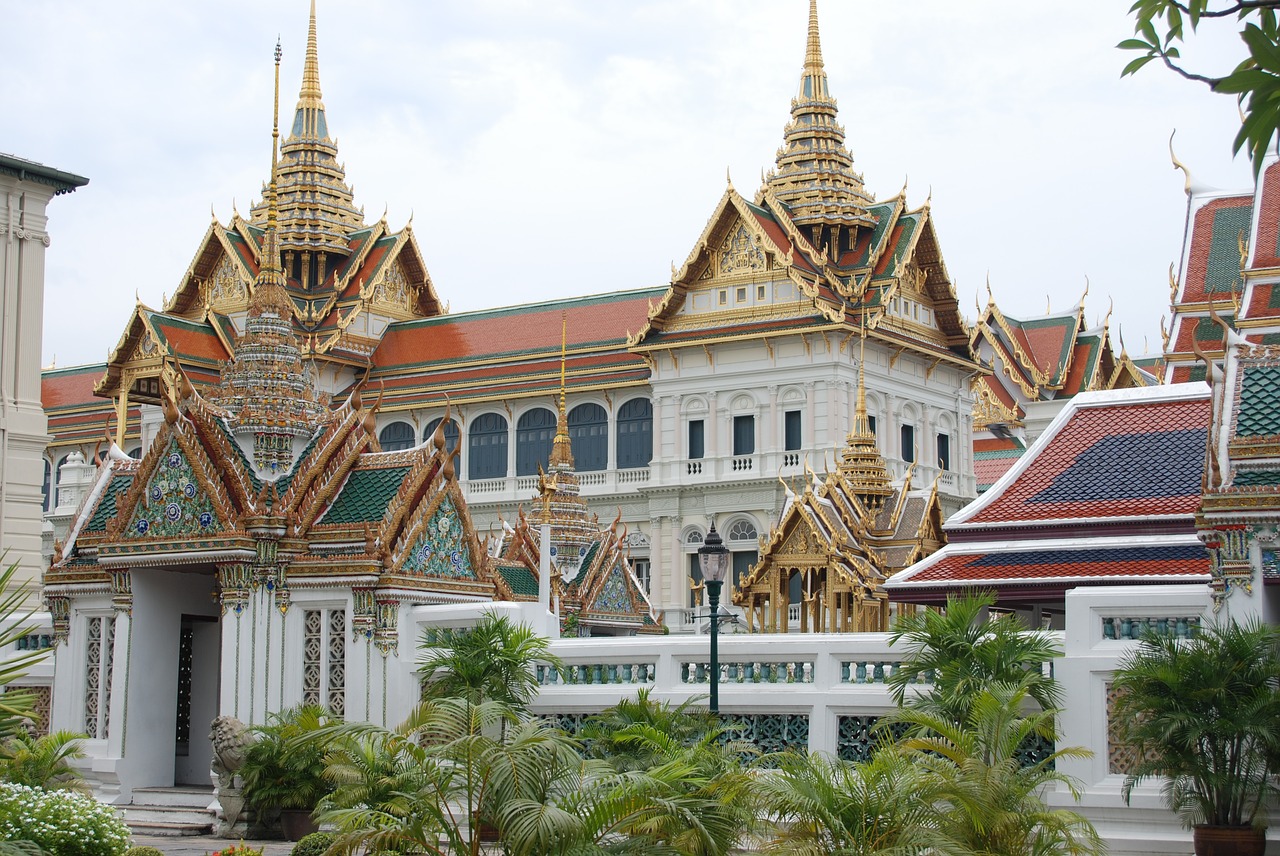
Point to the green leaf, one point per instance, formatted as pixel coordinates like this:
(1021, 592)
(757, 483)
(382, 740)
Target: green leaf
(1175, 24)
(1136, 64)
(1134, 45)
(1148, 29)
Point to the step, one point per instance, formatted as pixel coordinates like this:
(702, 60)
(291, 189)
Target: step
(165, 814)
(172, 830)
(189, 796)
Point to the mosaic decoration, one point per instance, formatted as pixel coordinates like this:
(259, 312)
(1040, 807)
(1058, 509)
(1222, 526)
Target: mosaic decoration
(387, 636)
(394, 288)
(740, 253)
(613, 596)
(1270, 567)
(174, 506)
(441, 550)
(1121, 756)
(234, 584)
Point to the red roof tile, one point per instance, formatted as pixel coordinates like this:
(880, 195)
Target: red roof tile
(70, 387)
(1069, 563)
(1114, 460)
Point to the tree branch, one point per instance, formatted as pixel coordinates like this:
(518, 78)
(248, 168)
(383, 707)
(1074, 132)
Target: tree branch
(1211, 82)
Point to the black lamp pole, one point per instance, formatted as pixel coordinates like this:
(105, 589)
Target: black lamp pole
(714, 560)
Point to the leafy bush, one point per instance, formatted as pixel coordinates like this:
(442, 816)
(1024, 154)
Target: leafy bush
(143, 851)
(61, 822)
(21, 848)
(314, 844)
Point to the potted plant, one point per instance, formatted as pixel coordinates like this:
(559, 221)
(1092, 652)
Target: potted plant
(1205, 714)
(283, 769)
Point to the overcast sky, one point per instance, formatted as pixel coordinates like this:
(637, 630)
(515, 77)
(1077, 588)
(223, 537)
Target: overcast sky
(551, 148)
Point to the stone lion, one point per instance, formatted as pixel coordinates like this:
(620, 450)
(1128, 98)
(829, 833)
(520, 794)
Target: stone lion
(230, 741)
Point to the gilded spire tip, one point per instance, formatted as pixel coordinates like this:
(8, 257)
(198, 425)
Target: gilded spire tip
(813, 48)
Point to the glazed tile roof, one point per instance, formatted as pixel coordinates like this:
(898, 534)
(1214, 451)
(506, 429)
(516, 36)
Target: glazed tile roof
(1259, 413)
(1266, 249)
(993, 457)
(1112, 456)
(107, 504)
(521, 581)
(1213, 264)
(70, 386)
(1056, 563)
(365, 495)
(1256, 478)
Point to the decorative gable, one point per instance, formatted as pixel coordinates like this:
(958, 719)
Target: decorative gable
(441, 549)
(174, 504)
(614, 594)
(226, 288)
(740, 253)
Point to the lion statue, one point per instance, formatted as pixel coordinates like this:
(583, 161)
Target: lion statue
(230, 741)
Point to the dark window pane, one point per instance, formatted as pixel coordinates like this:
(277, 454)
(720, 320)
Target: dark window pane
(697, 439)
(488, 447)
(396, 437)
(635, 434)
(589, 437)
(791, 430)
(742, 562)
(871, 423)
(744, 435)
(944, 451)
(908, 443)
(46, 491)
(535, 432)
(695, 575)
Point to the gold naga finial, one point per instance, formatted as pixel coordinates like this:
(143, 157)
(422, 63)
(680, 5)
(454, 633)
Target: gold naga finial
(1164, 334)
(991, 300)
(728, 179)
(1048, 305)
(1106, 322)
(1173, 285)
(1086, 289)
(1177, 164)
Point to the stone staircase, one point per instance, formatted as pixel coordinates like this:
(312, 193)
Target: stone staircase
(182, 810)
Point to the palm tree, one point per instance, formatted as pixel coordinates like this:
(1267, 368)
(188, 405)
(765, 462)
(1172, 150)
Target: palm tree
(16, 707)
(964, 655)
(43, 762)
(494, 660)
(818, 805)
(453, 783)
(1205, 713)
(606, 735)
(988, 799)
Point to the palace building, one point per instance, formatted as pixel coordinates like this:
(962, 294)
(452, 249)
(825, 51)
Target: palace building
(685, 405)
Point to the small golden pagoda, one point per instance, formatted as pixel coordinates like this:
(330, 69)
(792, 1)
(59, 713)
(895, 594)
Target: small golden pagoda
(837, 540)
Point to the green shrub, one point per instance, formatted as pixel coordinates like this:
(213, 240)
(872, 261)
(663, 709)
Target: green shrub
(21, 848)
(143, 851)
(61, 822)
(314, 844)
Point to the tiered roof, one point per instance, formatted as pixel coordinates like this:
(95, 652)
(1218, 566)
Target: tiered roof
(1107, 495)
(844, 536)
(1035, 363)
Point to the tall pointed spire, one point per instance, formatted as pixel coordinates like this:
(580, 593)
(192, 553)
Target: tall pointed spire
(814, 175)
(861, 463)
(269, 393)
(562, 447)
(317, 207)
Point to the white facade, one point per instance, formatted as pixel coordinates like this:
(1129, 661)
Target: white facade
(25, 191)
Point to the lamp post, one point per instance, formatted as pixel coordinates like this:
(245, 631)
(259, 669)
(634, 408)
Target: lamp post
(713, 557)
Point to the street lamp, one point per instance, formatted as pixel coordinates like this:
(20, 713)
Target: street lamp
(714, 560)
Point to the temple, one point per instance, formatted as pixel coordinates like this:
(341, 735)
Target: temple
(684, 404)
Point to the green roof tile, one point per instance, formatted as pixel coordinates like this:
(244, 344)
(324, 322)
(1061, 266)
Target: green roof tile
(107, 506)
(1223, 267)
(520, 579)
(366, 495)
(1259, 414)
(1257, 478)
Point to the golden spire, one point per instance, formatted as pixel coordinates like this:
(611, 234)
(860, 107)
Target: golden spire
(562, 447)
(310, 96)
(814, 176)
(317, 211)
(861, 463)
(813, 48)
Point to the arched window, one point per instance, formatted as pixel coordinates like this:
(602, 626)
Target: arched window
(135, 453)
(57, 475)
(589, 436)
(635, 434)
(396, 437)
(452, 436)
(741, 539)
(46, 492)
(534, 432)
(488, 447)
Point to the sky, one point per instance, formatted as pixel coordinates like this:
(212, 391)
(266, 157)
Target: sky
(553, 148)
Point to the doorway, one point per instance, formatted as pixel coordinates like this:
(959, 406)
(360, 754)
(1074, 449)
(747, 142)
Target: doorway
(199, 643)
